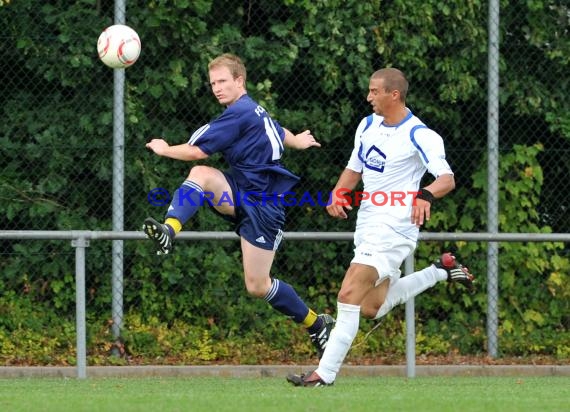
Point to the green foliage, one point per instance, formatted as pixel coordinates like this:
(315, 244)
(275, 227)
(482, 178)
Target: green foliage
(531, 275)
(30, 334)
(308, 64)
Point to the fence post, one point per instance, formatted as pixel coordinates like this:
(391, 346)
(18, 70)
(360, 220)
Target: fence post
(493, 180)
(410, 325)
(118, 187)
(80, 244)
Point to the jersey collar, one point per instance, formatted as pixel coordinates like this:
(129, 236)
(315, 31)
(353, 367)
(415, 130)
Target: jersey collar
(404, 120)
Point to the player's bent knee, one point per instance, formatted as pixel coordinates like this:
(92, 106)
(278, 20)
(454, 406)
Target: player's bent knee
(199, 171)
(347, 294)
(369, 312)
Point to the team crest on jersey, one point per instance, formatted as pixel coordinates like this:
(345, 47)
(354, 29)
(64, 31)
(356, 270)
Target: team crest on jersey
(375, 159)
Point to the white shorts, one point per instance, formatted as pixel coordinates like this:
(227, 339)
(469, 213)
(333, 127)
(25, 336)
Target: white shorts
(383, 249)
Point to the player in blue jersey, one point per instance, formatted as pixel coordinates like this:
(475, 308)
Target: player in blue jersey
(392, 151)
(248, 193)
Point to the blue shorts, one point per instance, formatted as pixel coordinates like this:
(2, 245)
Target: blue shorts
(260, 223)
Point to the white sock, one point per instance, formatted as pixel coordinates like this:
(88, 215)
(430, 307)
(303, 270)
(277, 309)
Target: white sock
(342, 335)
(410, 286)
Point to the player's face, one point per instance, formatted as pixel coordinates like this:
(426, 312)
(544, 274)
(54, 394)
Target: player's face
(226, 89)
(380, 99)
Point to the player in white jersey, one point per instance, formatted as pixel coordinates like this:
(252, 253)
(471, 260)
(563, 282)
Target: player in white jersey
(393, 149)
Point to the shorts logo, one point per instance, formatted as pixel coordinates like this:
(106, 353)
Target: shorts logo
(260, 239)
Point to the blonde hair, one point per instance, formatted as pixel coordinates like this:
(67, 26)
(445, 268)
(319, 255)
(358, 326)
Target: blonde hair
(394, 79)
(232, 62)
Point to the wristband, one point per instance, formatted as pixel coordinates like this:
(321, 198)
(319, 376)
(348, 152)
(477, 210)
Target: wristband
(426, 195)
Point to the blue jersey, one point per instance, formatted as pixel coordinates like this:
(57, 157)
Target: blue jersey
(252, 144)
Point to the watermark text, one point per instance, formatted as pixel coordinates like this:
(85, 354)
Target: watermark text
(343, 197)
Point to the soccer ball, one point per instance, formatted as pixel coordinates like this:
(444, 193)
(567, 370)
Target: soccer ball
(119, 46)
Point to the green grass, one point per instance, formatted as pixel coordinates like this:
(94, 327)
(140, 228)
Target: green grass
(351, 394)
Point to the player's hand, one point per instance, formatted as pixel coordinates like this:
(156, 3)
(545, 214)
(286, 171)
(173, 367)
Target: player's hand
(338, 207)
(158, 146)
(306, 140)
(421, 212)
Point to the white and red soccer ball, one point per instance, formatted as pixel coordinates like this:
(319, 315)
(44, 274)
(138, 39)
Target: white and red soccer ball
(119, 46)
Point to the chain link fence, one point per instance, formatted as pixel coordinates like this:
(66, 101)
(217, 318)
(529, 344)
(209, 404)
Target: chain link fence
(308, 64)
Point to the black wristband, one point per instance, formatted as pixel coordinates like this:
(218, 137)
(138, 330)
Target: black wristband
(426, 195)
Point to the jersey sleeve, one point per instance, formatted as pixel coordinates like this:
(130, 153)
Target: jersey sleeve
(217, 135)
(355, 162)
(431, 150)
(279, 129)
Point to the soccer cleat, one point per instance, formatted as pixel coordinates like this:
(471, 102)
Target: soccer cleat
(160, 234)
(456, 272)
(309, 379)
(321, 337)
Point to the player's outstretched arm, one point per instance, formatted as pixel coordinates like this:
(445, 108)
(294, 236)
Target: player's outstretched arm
(183, 151)
(301, 141)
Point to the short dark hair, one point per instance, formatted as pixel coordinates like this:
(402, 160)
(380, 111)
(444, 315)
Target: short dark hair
(394, 79)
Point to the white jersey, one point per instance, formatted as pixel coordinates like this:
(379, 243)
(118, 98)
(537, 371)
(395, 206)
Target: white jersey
(392, 160)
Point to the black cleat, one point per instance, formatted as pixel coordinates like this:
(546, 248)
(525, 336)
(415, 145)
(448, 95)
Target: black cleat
(160, 234)
(456, 272)
(321, 337)
(309, 379)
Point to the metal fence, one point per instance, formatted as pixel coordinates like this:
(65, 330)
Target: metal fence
(80, 240)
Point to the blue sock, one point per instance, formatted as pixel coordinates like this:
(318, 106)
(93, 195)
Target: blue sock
(186, 201)
(283, 298)
(315, 327)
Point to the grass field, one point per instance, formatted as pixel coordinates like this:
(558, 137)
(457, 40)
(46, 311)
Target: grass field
(351, 394)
